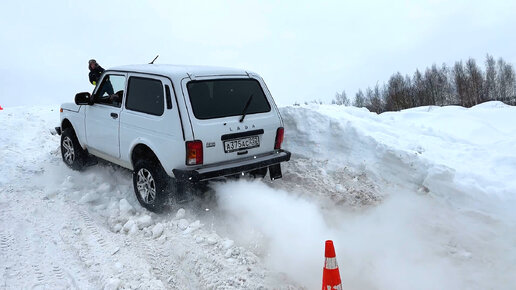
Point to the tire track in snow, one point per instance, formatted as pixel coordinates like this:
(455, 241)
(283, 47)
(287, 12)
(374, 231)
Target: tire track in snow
(40, 276)
(46, 258)
(40, 253)
(101, 250)
(90, 225)
(161, 265)
(6, 240)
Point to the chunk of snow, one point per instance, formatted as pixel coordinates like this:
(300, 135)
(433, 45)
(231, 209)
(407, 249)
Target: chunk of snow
(117, 227)
(89, 197)
(193, 227)
(128, 225)
(144, 221)
(157, 230)
(226, 244)
(180, 213)
(133, 230)
(126, 209)
(212, 239)
(182, 224)
(104, 187)
(112, 284)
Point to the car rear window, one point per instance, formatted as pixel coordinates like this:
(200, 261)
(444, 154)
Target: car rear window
(226, 97)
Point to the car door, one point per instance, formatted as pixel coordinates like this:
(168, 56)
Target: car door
(103, 117)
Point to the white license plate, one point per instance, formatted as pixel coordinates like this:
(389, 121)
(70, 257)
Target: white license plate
(241, 144)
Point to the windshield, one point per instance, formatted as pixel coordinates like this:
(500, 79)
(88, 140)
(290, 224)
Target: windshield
(226, 97)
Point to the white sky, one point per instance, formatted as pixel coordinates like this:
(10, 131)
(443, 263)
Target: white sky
(304, 50)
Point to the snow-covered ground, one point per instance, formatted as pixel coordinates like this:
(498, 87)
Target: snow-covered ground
(419, 199)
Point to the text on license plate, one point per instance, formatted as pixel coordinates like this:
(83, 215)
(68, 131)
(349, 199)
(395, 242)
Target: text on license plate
(242, 143)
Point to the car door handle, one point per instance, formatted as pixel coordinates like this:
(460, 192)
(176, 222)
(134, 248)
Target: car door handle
(114, 115)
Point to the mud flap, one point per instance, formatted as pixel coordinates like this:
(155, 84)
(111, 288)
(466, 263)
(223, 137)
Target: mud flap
(275, 171)
(182, 191)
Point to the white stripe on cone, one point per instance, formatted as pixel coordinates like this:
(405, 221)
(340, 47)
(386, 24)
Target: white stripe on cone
(331, 264)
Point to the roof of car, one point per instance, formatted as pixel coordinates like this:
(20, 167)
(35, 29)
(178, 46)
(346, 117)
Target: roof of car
(181, 71)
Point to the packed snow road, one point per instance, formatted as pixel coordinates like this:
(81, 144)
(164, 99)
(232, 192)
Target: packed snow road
(422, 198)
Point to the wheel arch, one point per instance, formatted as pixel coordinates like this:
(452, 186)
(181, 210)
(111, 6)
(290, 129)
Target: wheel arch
(65, 124)
(142, 150)
(166, 152)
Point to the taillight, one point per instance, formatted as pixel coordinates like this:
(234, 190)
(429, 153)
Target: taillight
(194, 152)
(279, 138)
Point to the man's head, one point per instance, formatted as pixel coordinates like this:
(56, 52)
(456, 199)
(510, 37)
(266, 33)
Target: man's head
(92, 64)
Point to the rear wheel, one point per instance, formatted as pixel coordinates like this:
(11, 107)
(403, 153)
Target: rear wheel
(71, 151)
(150, 182)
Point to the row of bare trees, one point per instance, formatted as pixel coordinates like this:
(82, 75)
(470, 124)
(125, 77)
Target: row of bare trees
(464, 84)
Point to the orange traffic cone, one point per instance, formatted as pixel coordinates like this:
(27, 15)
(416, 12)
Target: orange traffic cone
(331, 275)
(1, 108)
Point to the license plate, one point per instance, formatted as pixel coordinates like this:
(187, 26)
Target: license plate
(241, 144)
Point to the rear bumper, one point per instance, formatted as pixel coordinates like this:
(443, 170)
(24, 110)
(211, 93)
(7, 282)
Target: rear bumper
(230, 168)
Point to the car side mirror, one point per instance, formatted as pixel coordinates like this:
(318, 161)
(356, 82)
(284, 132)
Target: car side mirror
(83, 98)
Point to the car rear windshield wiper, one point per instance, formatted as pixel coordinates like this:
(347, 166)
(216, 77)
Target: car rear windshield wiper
(246, 107)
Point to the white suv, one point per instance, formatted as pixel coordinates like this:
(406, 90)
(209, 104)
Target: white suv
(175, 125)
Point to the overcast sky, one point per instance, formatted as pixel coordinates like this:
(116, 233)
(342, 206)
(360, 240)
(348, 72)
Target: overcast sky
(304, 50)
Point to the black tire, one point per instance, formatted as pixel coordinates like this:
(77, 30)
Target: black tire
(153, 180)
(71, 151)
(259, 173)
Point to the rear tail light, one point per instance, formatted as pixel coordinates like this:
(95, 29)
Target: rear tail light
(279, 138)
(194, 152)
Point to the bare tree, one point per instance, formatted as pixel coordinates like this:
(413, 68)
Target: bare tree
(341, 99)
(359, 99)
(377, 105)
(461, 83)
(490, 84)
(431, 86)
(506, 82)
(419, 89)
(374, 100)
(398, 93)
(444, 89)
(475, 83)
(368, 97)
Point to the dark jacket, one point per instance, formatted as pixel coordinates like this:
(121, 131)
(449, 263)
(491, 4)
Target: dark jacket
(95, 74)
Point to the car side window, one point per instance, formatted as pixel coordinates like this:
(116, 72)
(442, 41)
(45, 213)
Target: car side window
(110, 91)
(145, 95)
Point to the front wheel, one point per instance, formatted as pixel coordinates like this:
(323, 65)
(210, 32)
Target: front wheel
(150, 183)
(71, 151)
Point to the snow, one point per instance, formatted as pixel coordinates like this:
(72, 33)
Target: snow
(424, 198)
(180, 213)
(157, 230)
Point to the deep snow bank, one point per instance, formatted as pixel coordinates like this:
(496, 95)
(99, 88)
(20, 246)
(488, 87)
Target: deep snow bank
(473, 147)
(446, 220)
